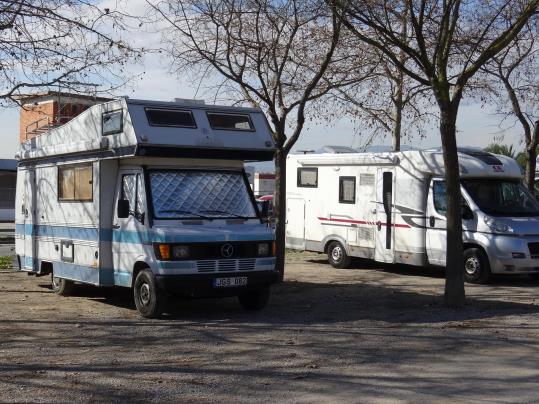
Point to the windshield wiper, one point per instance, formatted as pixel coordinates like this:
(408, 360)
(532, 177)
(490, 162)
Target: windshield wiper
(223, 212)
(186, 212)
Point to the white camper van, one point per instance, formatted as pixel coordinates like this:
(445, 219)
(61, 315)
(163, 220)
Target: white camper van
(391, 207)
(151, 196)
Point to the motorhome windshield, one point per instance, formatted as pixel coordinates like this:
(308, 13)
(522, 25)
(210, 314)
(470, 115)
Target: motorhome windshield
(502, 197)
(187, 194)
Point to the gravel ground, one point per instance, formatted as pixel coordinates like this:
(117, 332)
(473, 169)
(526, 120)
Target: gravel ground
(368, 334)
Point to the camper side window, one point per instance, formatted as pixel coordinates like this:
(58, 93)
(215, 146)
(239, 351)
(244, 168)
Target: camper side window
(308, 177)
(75, 183)
(440, 197)
(112, 122)
(132, 192)
(347, 189)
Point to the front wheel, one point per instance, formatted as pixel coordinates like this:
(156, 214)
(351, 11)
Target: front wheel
(61, 286)
(337, 256)
(255, 301)
(149, 299)
(476, 266)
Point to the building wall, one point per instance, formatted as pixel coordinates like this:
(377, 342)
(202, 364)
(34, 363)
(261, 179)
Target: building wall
(33, 112)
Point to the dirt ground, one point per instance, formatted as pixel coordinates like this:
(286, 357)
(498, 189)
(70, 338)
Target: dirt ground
(368, 334)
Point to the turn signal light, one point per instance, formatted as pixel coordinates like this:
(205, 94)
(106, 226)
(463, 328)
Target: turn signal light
(164, 251)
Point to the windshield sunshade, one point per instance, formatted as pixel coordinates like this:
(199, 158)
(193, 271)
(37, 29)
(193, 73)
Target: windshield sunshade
(502, 197)
(178, 194)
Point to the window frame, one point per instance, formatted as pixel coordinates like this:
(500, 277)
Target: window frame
(103, 133)
(73, 167)
(137, 212)
(251, 126)
(188, 111)
(341, 189)
(300, 169)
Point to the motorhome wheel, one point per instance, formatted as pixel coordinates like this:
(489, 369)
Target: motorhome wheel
(476, 266)
(60, 286)
(149, 299)
(337, 256)
(256, 300)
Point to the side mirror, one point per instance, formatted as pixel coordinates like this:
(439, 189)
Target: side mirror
(123, 208)
(264, 209)
(466, 213)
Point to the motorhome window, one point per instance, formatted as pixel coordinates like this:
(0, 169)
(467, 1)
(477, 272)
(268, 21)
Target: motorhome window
(132, 191)
(224, 121)
(439, 193)
(75, 183)
(502, 197)
(193, 194)
(176, 118)
(112, 122)
(347, 189)
(308, 177)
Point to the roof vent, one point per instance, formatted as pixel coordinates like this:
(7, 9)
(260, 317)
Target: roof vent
(337, 149)
(187, 101)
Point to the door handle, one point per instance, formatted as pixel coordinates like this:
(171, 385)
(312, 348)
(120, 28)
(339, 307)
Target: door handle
(115, 226)
(379, 225)
(432, 221)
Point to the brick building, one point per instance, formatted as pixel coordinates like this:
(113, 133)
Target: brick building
(43, 111)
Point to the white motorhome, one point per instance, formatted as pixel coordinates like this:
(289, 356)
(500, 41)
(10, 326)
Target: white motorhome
(151, 196)
(390, 207)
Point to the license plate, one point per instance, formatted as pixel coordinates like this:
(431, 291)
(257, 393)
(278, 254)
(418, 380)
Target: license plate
(230, 282)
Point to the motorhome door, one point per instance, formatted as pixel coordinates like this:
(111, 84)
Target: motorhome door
(29, 210)
(129, 233)
(436, 222)
(384, 226)
(295, 223)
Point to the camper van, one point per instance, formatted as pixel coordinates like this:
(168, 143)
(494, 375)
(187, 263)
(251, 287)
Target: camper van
(390, 207)
(151, 196)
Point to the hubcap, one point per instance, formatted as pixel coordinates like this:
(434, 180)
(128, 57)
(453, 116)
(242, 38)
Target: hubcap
(145, 294)
(55, 283)
(472, 266)
(336, 254)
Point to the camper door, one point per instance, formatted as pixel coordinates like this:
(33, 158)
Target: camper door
(29, 211)
(128, 233)
(385, 215)
(436, 222)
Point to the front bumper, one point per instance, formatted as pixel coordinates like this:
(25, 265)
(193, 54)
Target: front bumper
(201, 285)
(500, 251)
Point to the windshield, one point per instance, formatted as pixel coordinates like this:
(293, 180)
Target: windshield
(182, 194)
(502, 197)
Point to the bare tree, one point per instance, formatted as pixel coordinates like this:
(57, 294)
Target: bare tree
(282, 57)
(512, 85)
(64, 44)
(450, 41)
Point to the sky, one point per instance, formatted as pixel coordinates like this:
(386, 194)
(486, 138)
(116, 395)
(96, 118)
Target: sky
(476, 126)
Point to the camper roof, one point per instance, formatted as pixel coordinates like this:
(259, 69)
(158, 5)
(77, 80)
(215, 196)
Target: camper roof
(473, 163)
(183, 128)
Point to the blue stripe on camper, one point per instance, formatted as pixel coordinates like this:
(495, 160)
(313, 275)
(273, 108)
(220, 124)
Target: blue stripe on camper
(123, 278)
(126, 236)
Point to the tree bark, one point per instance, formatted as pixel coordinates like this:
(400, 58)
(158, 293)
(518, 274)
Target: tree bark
(280, 210)
(454, 273)
(531, 153)
(397, 119)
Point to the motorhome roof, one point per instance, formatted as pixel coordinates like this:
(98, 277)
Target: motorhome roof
(425, 161)
(130, 127)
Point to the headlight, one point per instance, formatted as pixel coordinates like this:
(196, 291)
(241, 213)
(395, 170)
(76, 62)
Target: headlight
(498, 226)
(263, 249)
(180, 251)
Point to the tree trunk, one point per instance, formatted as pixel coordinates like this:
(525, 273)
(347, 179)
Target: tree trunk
(397, 121)
(280, 210)
(454, 273)
(531, 153)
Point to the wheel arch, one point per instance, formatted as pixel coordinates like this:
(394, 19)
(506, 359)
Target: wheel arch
(139, 266)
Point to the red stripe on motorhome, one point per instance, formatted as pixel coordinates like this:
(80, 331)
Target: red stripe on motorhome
(325, 219)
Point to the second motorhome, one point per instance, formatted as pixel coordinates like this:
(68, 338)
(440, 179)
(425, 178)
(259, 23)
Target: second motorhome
(390, 207)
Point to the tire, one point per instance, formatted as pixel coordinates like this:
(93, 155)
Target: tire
(476, 266)
(337, 256)
(61, 286)
(255, 301)
(149, 299)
